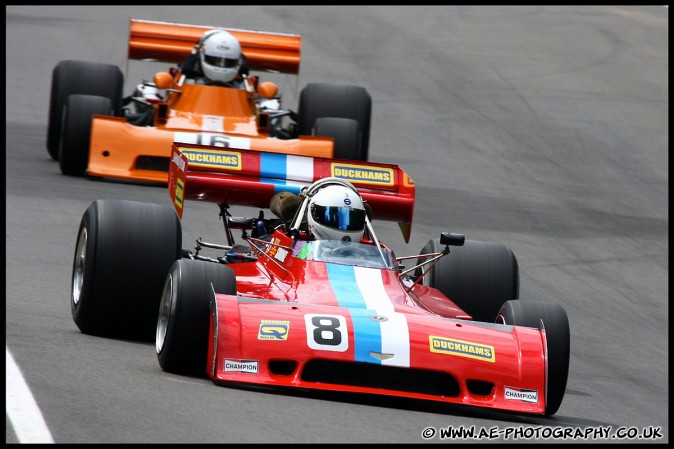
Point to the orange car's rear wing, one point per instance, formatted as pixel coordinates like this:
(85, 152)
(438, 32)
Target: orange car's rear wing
(251, 178)
(172, 42)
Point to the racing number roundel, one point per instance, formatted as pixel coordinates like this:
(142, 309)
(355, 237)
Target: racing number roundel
(327, 332)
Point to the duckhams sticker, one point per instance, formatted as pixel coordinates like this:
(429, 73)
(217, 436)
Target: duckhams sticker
(230, 160)
(442, 345)
(381, 176)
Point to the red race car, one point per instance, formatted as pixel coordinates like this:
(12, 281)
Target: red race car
(95, 131)
(286, 309)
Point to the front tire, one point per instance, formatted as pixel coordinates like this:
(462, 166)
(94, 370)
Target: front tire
(184, 314)
(346, 136)
(478, 276)
(340, 101)
(558, 337)
(76, 135)
(124, 250)
(83, 78)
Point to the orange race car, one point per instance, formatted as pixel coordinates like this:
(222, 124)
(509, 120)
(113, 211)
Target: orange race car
(93, 130)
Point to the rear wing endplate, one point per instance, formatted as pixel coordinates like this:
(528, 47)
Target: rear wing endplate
(172, 42)
(251, 178)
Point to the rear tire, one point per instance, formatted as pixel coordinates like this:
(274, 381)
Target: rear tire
(478, 276)
(124, 250)
(85, 78)
(184, 314)
(340, 101)
(76, 134)
(556, 323)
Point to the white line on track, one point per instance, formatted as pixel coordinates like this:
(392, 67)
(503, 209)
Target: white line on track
(22, 410)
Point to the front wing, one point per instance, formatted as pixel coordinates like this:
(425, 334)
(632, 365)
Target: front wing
(121, 150)
(256, 341)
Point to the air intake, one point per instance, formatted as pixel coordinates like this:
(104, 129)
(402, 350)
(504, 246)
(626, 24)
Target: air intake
(380, 376)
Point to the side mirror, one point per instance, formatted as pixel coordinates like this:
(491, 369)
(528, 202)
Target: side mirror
(451, 239)
(163, 80)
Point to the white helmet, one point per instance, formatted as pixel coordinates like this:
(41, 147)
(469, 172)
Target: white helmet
(221, 56)
(336, 213)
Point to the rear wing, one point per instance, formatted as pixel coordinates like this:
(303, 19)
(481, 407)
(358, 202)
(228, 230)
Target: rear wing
(172, 42)
(251, 178)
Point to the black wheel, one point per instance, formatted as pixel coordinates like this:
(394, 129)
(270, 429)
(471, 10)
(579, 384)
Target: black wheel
(184, 314)
(341, 101)
(346, 135)
(76, 134)
(80, 77)
(558, 337)
(478, 276)
(124, 250)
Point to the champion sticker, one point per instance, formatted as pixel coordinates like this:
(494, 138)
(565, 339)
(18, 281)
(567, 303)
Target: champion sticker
(241, 366)
(520, 394)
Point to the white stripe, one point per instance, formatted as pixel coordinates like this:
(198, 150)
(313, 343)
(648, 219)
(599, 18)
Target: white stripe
(395, 335)
(372, 288)
(21, 408)
(300, 168)
(395, 339)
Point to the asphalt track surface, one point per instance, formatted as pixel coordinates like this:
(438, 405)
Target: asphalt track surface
(541, 127)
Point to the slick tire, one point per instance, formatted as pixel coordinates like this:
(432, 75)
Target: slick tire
(85, 78)
(124, 250)
(184, 314)
(556, 324)
(341, 101)
(345, 133)
(478, 276)
(76, 134)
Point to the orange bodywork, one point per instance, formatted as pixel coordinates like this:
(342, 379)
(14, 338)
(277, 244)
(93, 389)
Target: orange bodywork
(192, 113)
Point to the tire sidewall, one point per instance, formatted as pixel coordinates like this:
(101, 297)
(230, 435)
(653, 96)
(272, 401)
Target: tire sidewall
(185, 344)
(86, 300)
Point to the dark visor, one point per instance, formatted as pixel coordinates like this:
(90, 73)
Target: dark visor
(344, 218)
(221, 62)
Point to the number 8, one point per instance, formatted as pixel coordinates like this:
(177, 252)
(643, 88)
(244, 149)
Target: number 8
(324, 332)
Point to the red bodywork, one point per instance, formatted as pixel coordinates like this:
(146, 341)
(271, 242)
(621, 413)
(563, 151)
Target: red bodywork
(319, 325)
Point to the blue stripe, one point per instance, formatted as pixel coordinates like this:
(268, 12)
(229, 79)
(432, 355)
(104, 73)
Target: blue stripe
(366, 331)
(367, 335)
(343, 282)
(274, 170)
(273, 165)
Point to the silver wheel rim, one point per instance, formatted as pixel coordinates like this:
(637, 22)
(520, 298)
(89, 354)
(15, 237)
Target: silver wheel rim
(79, 265)
(164, 313)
